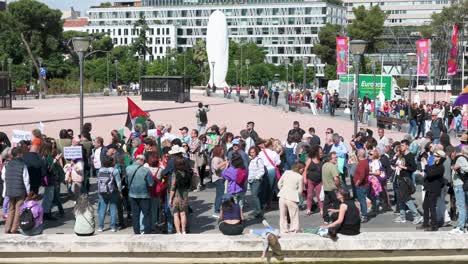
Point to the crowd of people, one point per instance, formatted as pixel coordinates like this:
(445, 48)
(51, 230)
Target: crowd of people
(148, 179)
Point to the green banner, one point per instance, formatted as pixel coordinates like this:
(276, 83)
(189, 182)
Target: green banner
(366, 84)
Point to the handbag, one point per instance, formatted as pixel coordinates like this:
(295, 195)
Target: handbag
(278, 173)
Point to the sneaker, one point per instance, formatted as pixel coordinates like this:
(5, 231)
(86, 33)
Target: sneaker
(265, 223)
(215, 216)
(457, 231)
(113, 229)
(364, 219)
(100, 230)
(418, 220)
(399, 220)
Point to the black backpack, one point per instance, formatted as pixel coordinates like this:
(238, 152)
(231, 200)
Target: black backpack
(27, 219)
(203, 117)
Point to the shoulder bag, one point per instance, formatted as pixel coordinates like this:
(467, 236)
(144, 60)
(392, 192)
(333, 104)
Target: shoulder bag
(278, 173)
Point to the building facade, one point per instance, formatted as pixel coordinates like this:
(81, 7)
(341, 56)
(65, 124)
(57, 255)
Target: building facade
(400, 12)
(286, 29)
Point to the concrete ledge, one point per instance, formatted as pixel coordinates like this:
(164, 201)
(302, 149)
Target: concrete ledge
(213, 246)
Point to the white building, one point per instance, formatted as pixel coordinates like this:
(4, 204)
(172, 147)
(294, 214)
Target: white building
(400, 12)
(287, 29)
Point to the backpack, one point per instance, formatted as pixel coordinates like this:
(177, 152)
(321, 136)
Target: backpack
(27, 221)
(463, 176)
(202, 115)
(105, 182)
(241, 177)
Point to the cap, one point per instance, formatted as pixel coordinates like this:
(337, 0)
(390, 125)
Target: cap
(184, 128)
(236, 141)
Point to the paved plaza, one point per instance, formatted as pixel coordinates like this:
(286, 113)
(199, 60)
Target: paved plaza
(107, 113)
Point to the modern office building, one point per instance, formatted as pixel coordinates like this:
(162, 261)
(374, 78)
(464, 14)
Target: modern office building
(287, 29)
(401, 12)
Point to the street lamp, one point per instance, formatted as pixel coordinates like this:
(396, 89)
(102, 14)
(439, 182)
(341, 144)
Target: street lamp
(236, 63)
(204, 71)
(213, 67)
(10, 61)
(247, 63)
(375, 95)
(357, 48)
(116, 62)
(316, 71)
(411, 57)
(81, 45)
(435, 72)
(286, 62)
(305, 60)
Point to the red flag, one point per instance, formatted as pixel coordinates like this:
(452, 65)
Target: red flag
(452, 56)
(423, 47)
(134, 113)
(341, 55)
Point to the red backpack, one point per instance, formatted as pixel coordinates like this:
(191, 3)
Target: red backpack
(241, 177)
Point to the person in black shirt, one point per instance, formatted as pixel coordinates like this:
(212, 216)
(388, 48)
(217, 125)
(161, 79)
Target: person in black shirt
(252, 133)
(297, 132)
(314, 140)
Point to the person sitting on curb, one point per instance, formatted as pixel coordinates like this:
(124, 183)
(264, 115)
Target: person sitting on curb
(231, 219)
(31, 216)
(84, 217)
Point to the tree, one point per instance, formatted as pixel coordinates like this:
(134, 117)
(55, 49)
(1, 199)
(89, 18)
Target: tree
(40, 29)
(327, 43)
(140, 45)
(367, 25)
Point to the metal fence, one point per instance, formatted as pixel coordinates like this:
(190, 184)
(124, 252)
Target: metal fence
(172, 88)
(5, 91)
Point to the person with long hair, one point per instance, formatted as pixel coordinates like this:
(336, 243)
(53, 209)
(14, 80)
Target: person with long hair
(272, 160)
(256, 177)
(231, 218)
(218, 164)
(178, 198)
(50, 180)
(158, 190)
(236, 176)
(346, 219)
(84, 216)
(312, 177)
(110, 198)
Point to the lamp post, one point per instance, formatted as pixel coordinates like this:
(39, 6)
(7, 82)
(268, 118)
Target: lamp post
(81, 45)
(139, 68)
(116, 62)
(213, 67)
(204, 71)
(10, 61)
(435, 72)
(247, 63)
(315, 75)
(357, 48)
(375, 94)
(236, 63)
(305, 60)
(286, 61)
(411, 57)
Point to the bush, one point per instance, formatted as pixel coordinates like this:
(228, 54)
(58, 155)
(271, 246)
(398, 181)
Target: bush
(67, 86)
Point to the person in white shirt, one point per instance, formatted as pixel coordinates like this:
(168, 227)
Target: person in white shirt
(249, 142)
(256, 173)
(98, 142)
(271, 159)
(382, 140)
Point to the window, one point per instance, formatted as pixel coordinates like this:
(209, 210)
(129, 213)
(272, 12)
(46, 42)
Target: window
(158, 31)
(126, 31)
(120, 32)
(167, 31)
(168, 40)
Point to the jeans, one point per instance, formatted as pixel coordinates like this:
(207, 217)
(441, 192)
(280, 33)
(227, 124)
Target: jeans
(231, 230)
(270, 185)
(460, 198)
(56, 200)
(362, 193)
(111, 201)
(154, 210)
(255, 189)
(47, 199)
(421, 129)
(413, 128)
(441, 207)
(168, 214)
(330, 202)
(239, 198)
(141, 205)
(351, 169)
(411, 206)
(219, 195)
(201, 128)
(313, 187)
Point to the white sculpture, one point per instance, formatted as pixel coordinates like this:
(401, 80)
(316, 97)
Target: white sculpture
(217, 48)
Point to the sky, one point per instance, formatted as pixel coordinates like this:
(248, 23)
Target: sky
(79, 5)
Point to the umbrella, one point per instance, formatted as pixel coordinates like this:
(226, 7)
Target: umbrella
(462, 98)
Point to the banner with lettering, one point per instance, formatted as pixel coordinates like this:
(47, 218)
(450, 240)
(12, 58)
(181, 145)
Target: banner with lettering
(423, 48)
(452, 56)
(341, 55)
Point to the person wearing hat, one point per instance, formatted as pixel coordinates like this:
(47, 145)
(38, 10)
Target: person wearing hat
(184, 136)
(139, 180)
(433, 183)
(437, 126)
(237, 148)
